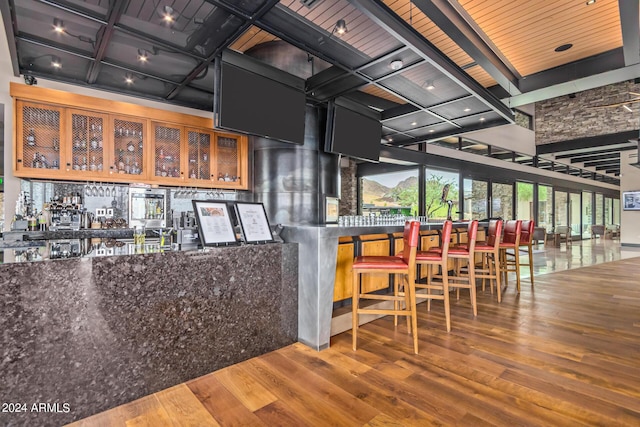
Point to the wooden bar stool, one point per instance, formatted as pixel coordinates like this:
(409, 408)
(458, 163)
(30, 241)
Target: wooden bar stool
(510, 262)
(437, 257)
(490, 254)
(526, 241)
(405, 266)
(460, 253)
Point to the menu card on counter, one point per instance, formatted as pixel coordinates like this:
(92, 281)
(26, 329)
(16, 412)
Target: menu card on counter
(254, 223)
(214, 222)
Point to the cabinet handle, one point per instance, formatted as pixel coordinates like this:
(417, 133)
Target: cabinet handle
(19, 160)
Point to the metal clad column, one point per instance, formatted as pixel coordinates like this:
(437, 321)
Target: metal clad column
(292, 180)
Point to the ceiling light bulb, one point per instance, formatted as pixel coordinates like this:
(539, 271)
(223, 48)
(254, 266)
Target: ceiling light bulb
(466, 110)
(482, 119)
(55, 62)
(390, 139)
(431, 130)
(414, 123)
(128, 79)
(143, 56)
(58, 25)
(395, 65)
(429, 85)
(341, 27)
(167, 15)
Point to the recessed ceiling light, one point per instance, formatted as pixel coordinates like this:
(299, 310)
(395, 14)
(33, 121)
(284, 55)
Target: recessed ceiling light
(563, 47)
(482, 119)
(429, 85)
(396, 65)
(466, 110)
(128, 79)
(414, 123)
(431, 130)
(389, 139)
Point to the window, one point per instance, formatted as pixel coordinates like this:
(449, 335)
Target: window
(608, 212)
(562, 208)
(436, 180)
(475, 199)
(502, 200)
(599, 219)
(616, 211)
(575, 213)
(545, 207)
(587, 214)
(390, 193)
(524, 200)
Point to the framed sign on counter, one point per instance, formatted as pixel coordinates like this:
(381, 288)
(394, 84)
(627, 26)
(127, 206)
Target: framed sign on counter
(253, 222)
(214, 223)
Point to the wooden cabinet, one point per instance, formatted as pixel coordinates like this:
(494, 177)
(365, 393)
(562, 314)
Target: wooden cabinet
(127, 149)
(84, 145)
(40, 150)
(74, 137)
(228, 168)
(167, 153)
(199, 160)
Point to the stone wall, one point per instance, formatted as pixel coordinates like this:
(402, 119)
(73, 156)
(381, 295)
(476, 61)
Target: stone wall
(348, 189)
(565, 118)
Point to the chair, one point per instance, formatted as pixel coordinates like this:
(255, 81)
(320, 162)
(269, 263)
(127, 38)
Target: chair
(540, 233)
(562, 232)
(511, 240)
(459, 253)
(406, 266)
(526, 241)
(490, 253)
(437, 258)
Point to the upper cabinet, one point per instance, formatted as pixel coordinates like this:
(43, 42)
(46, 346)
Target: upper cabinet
(128, 148)
(39, 148)
(74, 137)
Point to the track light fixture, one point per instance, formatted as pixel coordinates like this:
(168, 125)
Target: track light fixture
(167, 14)
(143, 55)
(341, 27)
(58, 25)
(56, 62)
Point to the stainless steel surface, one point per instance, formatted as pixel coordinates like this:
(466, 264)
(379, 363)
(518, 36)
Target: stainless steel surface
(292, 180)
(147, 207)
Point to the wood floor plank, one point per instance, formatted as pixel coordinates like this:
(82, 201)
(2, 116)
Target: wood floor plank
(563, 353)
(184, 408)
(253, 395)
(223, 406)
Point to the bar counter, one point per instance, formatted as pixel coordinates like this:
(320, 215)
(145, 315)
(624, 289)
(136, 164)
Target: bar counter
(95, 332)
(318, 246)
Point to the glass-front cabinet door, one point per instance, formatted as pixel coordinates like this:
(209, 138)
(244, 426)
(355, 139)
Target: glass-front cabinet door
(128, 150)
(227, 169)
(85, 144)
(38, 140)
(199, 155)
(167, 146)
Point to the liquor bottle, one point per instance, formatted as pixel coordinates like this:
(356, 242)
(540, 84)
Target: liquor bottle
(93, 165)
(36, 160)
(31, 138)
(158, 210)
(43, 161)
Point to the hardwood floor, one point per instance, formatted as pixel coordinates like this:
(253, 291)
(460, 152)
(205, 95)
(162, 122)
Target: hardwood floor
(564, 353)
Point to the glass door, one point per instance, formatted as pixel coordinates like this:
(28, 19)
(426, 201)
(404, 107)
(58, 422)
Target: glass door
(587, 214)
(561, 213)
(524, 197)
(575, 214)
(475, 199)
(545, 207)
